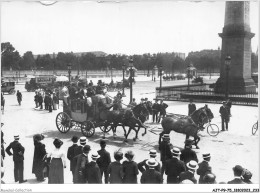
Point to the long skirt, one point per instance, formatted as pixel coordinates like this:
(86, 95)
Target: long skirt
(56, 172)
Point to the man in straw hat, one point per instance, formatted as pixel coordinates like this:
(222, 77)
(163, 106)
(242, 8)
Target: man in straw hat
(174, 166)
(18, 157)
(204, 167)
(142, 166)
(151, 176)
(71, 153)
(92, 170)
(192, 166)
(81, 162)
(238, 172)
(187, 154)
(165, 149)
(82, 142)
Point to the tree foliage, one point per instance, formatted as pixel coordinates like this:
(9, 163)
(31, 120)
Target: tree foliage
(10, 58)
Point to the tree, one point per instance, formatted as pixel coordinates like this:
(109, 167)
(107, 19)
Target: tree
(28, 61)
(10, 58)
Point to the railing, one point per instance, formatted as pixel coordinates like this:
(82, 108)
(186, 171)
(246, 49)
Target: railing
(203, 93)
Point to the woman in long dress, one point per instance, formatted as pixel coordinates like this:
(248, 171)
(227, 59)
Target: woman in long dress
(39, 153)
(58, 162)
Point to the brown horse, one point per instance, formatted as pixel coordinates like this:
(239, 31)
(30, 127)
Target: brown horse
(187, 125)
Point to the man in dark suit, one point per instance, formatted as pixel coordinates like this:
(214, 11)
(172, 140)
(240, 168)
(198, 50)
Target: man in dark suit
(156, 109)
(81, 161)
(142, 166)
(238, 172)
(72, 153)
(224, 113)
(18, 157)
(191, 107)
(82, 142)
(174, 166)
(92, 170)
(187, 154)
(189, 174)
(165, 149)
(204, 167)
(151, 176)
(163, 107)
(104, 160)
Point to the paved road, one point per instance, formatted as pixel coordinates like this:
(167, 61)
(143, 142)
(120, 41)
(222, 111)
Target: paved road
(237, 146)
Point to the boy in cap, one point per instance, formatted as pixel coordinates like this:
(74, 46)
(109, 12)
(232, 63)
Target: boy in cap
(81, 161)
(92, 170)
(187, 154)
(115, 169)
(18, 157)
(130, 169)
(151, 176)
(104, 160)
(238, 172)
(165, 149)
(71, 153)
(174, 166)
(204, 167)
(142, 166)
(189, 174)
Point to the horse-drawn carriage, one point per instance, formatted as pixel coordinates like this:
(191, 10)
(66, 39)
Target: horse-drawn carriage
(85, 114)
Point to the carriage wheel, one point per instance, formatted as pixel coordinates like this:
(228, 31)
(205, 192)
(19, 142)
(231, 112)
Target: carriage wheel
(88, 128)
(63, 122)
(255, 128)
(106, 130)
(12, 91)
(213, 130)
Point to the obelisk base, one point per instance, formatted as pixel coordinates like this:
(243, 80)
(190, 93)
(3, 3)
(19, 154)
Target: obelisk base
(236, 86)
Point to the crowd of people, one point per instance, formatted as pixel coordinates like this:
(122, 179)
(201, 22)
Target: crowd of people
(49, 99)
(95, 167)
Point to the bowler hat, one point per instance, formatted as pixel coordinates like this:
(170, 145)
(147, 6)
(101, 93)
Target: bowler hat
(238, 169)
(57, 142)
(102, 142)
(38, 137)
(175, 152)
(74, 139)
(152, 153)
(151, 162)
(86, 148)
(192, 165)
(188, 142)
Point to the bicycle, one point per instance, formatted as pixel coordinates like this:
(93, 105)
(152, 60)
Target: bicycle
(212, 129)
(255, 128)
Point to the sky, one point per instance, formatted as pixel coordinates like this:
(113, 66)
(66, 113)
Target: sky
(125, 28)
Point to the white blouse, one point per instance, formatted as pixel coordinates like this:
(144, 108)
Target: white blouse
(58, 153)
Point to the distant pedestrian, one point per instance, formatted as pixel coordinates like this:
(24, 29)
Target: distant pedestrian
(142, 166)
(46, 101)
(58, 162)
(81, 161)
(174, 167)
(229, 105)
(189, 174)
(104, 160)
(224, 113)
(92, 170)
(156, 109)
(191, 107)
(36, 96)
(151, 176)
(19, 97)
(238, 172)
(40, 100)
(165, 148)
(247, 175)
(50, 102)
(18, 158)
(204, 167)
(163, 107)
(115, 169)
(130, 169)
(2, 142)
(38, 157)
(71, 153)
(187, 154)
(55, 101)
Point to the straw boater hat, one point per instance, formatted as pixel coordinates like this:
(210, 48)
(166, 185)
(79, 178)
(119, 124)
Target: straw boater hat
(94, 156)
(175, 152)
(206, 155)
(83, 140)
(188, 142)
(153, 153)
(151, 162)
(192, 165)
(166, 136)
(16, 137)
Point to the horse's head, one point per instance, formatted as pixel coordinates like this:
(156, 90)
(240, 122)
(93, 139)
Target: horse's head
(205, 115)
(141, 111)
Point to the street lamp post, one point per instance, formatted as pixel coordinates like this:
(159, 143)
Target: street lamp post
(154, 70)
(227, 64)
(69, 70)
(131, 65)
(123, 67)
(16, 76)
(160, 71)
